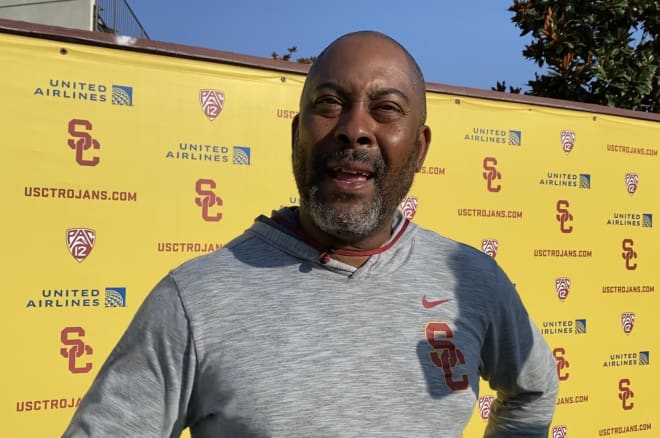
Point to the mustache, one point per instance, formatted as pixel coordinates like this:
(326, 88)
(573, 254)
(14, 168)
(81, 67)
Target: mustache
(347, 155)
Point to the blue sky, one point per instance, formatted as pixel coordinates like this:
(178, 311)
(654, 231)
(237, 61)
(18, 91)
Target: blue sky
(464, 43)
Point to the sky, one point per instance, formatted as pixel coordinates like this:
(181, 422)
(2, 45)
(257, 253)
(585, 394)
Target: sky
(461, 42)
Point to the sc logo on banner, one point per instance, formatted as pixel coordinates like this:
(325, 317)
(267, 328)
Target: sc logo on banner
(82, 141)
(208, 199)
(629, 254)
(75, 349)
(562, 363)
(625, 394)
(491, 174)
(564, 216)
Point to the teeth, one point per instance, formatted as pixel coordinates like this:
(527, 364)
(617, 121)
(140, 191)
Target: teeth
(351, 171)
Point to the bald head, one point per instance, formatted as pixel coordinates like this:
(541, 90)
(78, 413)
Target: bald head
(415, 76)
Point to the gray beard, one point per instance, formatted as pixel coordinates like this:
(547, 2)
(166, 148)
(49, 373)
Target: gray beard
(353, 224)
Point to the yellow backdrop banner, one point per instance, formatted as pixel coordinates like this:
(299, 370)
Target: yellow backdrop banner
(120, 165)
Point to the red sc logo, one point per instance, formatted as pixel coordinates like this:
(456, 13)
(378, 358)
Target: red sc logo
(491, 174)
(562, 363)
(84, 141)
(629, 254)
(625, 393)
(564, 216)
(208, 199)
(77, 349)
(444, 353)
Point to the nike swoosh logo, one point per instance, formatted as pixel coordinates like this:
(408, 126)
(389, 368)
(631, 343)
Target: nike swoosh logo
(431, 304)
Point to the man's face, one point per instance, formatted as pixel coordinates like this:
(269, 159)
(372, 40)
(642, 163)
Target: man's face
(358, 139)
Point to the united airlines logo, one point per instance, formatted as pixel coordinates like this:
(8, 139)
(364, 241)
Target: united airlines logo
(492, 135)
(74, 350)
(567, 141)
(626, 394)
(212, 102)
(485, 404)
(515, 138)
(627, 322)
(632, 181)
(80, 242)
(564, 327)
(562, 363)
(489, 246)
(562, 287)
(208, 200)
(566, 179)
(647, 220)
(82, 142)
(644, 358)
(631, 219)
(122, 95)
(115, 297)
(629, 254)
(408, 207)
(559, 431)
(491, 174)
(564, 216)
(241, 155)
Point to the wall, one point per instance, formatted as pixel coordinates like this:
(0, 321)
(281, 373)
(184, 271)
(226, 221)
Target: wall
(118, 165)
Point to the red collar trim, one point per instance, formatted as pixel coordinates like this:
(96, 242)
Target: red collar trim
(325, 252)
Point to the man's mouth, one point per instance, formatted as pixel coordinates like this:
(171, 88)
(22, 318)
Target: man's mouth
(350, 174)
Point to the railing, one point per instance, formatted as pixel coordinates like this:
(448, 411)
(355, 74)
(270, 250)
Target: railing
(117, 17)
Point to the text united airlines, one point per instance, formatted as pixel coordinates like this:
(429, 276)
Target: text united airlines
(200, 152)
(74, 90)
(57, 298)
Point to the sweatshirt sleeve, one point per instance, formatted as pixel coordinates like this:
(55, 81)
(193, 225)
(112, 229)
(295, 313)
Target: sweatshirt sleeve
(145, 384)
(519, 366)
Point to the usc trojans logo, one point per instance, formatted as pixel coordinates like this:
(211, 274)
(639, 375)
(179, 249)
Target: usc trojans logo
(491, 174)
(83, 141)
(445, 355)
(625, 394)
(76, 349)
(208, 199)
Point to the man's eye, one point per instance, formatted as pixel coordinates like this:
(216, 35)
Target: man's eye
(328, 101)
(388, 107)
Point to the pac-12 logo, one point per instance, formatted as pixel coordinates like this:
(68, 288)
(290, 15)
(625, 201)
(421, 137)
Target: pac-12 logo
(562, 363)
(559, 431)
(564, 216)
(208, 199)
(625, 394)
(75, 349)
(485, 403)
(489, 246)
(408, 206)
(211, 102)
(83, 141)
(79, 242)
(627, 322)
(567, 141)
(629, 254)
(491, 174)
(562, 287)
(632, 180)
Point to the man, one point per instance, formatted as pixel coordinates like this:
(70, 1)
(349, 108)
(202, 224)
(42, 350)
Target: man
(338, 318)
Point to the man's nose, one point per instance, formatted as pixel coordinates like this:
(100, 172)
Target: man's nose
(355, 127)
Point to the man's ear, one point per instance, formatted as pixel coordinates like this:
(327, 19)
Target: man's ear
(423, 144)
(294, 131)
